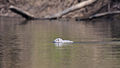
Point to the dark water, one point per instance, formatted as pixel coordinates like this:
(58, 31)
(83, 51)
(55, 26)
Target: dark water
(28, 44)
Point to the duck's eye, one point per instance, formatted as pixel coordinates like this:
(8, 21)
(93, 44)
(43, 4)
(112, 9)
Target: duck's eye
(57, 39)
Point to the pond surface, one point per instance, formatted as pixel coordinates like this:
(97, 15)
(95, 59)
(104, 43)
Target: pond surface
(28, 44)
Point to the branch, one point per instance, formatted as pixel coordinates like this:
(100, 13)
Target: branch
(28, 16)
(21, 12)
(104, 14)
(25, 14)
(73, 8)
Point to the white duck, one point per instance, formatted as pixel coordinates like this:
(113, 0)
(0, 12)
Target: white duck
(59, 40)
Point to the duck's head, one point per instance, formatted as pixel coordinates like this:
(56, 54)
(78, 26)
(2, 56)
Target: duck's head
(58, 40)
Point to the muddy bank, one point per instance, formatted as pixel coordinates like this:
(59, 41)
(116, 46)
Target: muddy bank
(35, 7)
(41, 8)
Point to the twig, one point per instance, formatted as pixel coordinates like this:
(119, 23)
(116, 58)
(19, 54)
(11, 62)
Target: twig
(104, 14)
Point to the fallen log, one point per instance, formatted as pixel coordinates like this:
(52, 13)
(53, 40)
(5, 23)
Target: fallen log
(104, 14)
(21, 12)
(29, 16)
(72, 8)
(25, 14)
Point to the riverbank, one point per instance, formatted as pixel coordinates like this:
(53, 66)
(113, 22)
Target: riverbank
(41, 8)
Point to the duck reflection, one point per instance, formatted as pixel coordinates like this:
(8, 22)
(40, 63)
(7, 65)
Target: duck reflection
(62, 44)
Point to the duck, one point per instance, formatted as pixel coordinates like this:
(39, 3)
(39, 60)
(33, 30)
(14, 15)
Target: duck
(59, 40)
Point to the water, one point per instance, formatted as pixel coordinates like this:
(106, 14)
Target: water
(28, 44)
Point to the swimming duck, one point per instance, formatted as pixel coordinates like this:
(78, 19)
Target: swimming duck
(59, 40)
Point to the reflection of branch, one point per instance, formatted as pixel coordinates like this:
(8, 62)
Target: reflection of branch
(24, 22)
(104, 14)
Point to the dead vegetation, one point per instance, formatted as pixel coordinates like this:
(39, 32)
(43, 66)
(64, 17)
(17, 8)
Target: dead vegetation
(60, 8)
